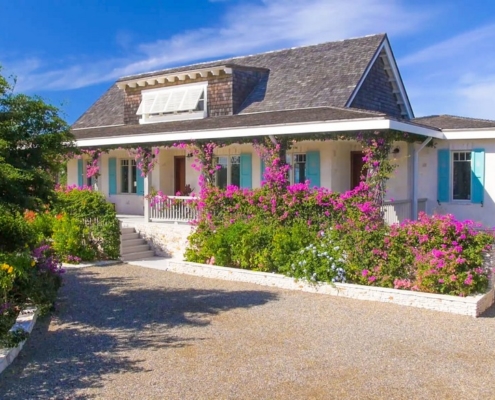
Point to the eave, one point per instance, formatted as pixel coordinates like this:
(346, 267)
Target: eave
(344, 126)
(173, 77)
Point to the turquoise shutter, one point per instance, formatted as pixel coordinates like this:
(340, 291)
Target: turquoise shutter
(246, 171)
(139, 183)
(443, 176)
(477, 175)
(112, 175)
(313, 168)
(262, 171)
(80, 172)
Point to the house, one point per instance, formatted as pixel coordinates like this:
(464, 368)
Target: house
(346, 86)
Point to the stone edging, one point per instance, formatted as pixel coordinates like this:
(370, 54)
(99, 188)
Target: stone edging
(472, 305)
(106, 263)
(25, 320)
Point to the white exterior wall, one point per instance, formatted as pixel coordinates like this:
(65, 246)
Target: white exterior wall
(461, 209)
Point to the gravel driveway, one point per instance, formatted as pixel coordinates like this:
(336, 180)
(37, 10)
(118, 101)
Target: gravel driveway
(126, 332)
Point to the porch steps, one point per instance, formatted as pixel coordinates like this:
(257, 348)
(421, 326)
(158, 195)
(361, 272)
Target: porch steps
(132, 246)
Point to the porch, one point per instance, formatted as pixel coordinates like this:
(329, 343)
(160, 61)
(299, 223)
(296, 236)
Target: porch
(335, 165)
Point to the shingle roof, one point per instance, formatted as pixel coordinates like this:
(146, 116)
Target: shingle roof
(454, 122)
(312, 76)
(232, 121)
(108, 110)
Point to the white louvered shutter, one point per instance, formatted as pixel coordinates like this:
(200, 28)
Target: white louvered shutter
(160, 103)
(175, 100)
(146, 104)
(191, 98)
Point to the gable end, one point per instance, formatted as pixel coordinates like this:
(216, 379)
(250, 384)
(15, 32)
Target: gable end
(381, 87)
(376, 92)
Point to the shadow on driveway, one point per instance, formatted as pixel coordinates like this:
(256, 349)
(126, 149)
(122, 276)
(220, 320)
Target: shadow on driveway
(99, 320)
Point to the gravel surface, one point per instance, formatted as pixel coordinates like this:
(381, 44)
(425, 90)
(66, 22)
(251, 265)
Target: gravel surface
(125, 332)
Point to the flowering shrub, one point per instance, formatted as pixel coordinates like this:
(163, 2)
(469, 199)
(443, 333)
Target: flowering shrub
(146, 158)
(344, 239)
(444, 255)
(26, 278)
(324, 261)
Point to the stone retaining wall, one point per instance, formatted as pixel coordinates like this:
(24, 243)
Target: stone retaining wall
(472, 305)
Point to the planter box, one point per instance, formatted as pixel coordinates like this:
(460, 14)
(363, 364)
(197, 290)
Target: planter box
(25, 320)
(472, 305)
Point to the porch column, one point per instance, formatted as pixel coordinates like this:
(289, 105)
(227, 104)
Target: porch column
(147, 190)
(414, 207)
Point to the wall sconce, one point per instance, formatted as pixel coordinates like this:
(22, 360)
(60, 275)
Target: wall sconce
(189, 155)
(396, 150)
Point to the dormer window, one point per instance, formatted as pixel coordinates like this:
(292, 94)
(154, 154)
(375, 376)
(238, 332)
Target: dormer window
(173, 103)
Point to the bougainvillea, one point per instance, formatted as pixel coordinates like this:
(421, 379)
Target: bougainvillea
(145, 157)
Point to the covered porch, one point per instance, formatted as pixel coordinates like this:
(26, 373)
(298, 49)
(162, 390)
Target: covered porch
(326, 162)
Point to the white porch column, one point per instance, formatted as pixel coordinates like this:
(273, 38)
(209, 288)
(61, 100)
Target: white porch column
(414, 207)
(147, 190)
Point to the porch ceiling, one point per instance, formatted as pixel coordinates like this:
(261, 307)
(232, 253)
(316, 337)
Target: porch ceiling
(290, 122)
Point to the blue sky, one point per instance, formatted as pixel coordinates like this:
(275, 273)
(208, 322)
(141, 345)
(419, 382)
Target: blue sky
(70, 52)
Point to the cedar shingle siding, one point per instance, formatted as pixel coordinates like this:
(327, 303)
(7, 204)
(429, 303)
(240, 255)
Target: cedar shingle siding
(244, 82)
(376, 92)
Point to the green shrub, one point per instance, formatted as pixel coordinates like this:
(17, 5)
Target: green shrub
(13, 268)
(42, 224)
(15, 231)
(86, 227)
(42, 279)
(287, 241)
(71, 237)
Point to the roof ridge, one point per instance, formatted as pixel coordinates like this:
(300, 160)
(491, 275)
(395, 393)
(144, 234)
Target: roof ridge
(455, 116)
(160, 71)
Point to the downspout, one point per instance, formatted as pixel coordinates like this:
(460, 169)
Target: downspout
(272, 138)
(414, 215)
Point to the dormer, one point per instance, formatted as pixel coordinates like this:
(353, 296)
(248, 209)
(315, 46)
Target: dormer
(184, 95)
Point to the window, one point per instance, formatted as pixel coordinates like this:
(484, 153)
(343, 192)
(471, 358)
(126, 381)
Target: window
(128, 176)
(229, 172)
(89, 181)
(461, 175)
(173, 103)
(297, 171)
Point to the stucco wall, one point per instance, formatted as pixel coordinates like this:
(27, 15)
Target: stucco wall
(461, 209)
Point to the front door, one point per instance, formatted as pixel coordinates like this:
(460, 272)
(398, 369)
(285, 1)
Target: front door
(357, 164)
(180, 174)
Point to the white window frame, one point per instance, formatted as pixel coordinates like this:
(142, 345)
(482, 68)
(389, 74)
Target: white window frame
(130, 185)
(229, 167)
(451, 183)
(290, 159)
(86, 180)
(178, 115)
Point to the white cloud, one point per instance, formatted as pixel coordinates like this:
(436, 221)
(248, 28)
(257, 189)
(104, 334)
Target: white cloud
(246, 28)
(454, 76)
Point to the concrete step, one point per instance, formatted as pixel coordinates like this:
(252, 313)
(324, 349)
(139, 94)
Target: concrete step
(127, 230)
(132, 242)
(128, 236)
(138, 256)
(135, 249)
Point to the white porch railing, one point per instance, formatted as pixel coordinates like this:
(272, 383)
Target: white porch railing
(182, 209)
(394, 212)
(174, 208)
